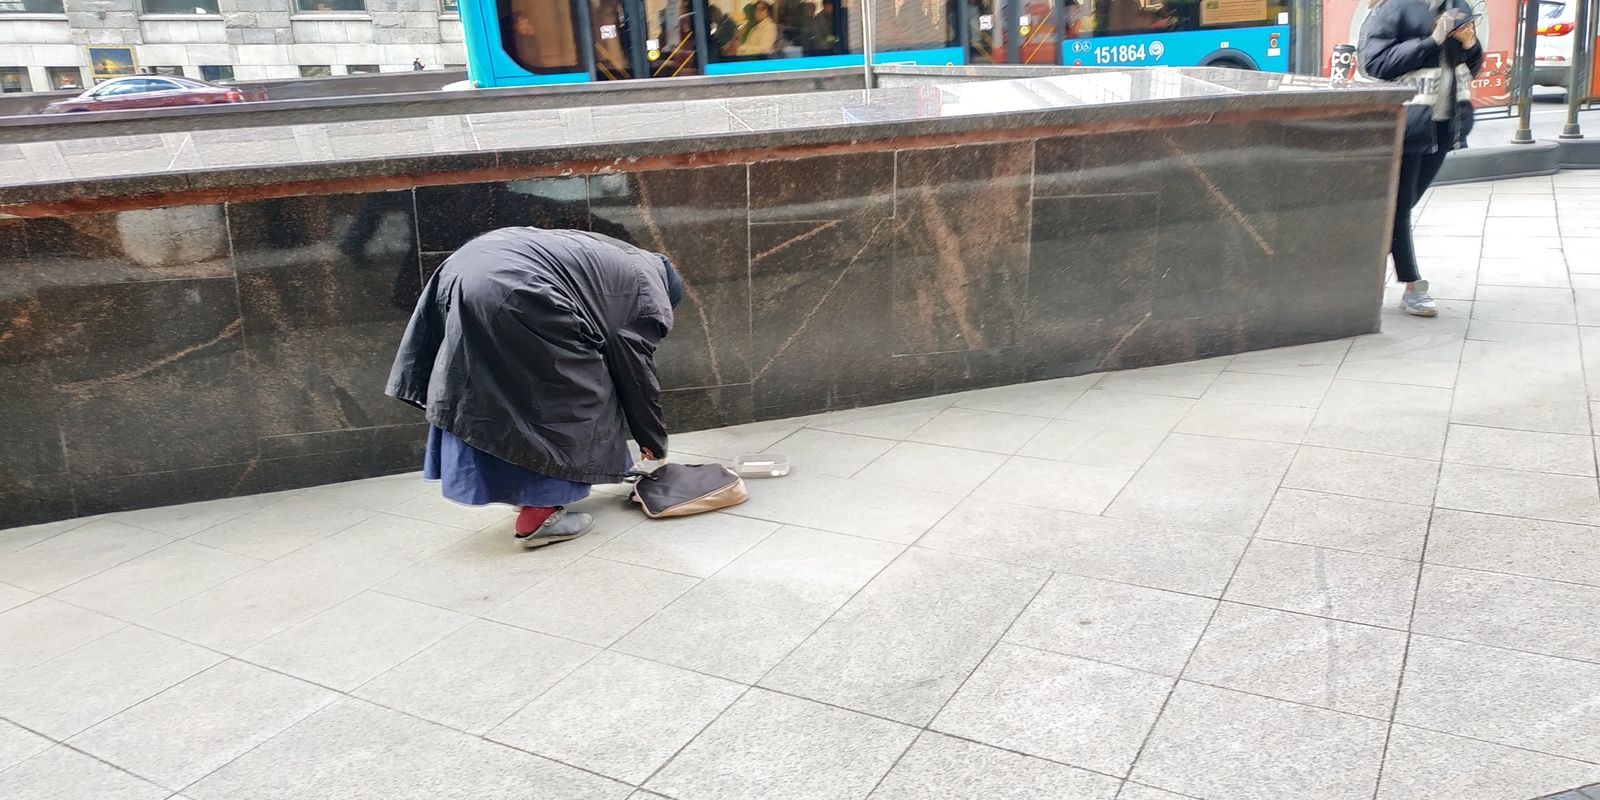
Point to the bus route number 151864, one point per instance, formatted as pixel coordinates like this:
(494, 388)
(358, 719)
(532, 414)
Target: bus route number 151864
(1127, 53)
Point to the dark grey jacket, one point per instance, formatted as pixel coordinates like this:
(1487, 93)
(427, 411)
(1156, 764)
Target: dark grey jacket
(535, 345)
(1396, 39)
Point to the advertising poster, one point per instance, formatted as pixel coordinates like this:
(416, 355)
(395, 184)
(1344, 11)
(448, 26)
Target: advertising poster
(1229, 12)
(1497, 29)
(111, 62)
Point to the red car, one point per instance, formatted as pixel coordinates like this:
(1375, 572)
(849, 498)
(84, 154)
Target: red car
(148, 91)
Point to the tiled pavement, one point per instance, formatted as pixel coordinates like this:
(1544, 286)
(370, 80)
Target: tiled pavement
(1361, 569)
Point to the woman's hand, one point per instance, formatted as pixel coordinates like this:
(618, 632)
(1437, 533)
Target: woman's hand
(645, 454)
(1443, 25)
(1467, 35)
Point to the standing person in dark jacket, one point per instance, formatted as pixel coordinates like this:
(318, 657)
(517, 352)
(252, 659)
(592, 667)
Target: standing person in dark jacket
(528, 351)
(1433, 45)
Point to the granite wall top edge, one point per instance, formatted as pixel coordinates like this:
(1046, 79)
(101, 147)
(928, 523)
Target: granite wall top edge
(691, 149)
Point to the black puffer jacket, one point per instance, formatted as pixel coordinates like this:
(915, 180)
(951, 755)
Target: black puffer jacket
(534, 346)
(1397, 39)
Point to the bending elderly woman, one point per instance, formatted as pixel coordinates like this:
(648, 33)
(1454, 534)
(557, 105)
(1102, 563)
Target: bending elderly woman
(532, 353)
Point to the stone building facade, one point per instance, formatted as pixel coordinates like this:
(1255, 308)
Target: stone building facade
(48, 44)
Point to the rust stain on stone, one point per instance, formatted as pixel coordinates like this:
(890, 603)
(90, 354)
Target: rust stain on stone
(233, 329)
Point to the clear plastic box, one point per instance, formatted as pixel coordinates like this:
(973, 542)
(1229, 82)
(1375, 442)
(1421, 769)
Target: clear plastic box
(762, 465)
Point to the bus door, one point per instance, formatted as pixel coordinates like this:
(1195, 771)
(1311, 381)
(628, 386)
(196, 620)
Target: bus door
(644, 38)
(1016, 31)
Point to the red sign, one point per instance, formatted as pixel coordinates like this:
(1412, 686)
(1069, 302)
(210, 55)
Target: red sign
(1497, 29)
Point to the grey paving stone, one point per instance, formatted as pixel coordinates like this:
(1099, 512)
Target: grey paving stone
(1423, 765)
(1223, 745)
(1141, 553)
(63, 560)
(1272, 390)
(484, 570)
(1094, 444)
(1513, 493)
(732, 441)
(1517, 699)
(142, 587)
(742, 621)
(14, 539)
(1404, 371)
(1554, 550)
(269, 599)
(891, 421)
(18, 744)
(1327, 583)
(1317, 360)
(838, 454)
(375, 494)
(1339, 522)
(77, 689)
(478, 676)
(1538, 616)
(42, 629)
(285, 526)
(594, 600)
(1035, 399)
(620, 716)
(874, 510)
(1134, 791)
(355, 641)
(1128, 410)
(698, 545)
(1047, 483)
(1412, 419)
(61, 773)
(1374, 476)
(1318, 662)
(1530, 451)
(908, 639)
(1132, 626)
(400, 757)
(182, 734)
(767, 740)
(431, 506)
(944, 767)
(972, 429)
(11, 597)
(936, 468)
(1222, 485)
(191, 518)
(1236, 419)
(1185, 379)
(1065, 709)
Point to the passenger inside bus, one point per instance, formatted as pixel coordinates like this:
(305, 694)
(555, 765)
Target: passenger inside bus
(538, 35)
(761, 37)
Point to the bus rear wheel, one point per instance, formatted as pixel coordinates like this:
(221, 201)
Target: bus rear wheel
(1228, 63)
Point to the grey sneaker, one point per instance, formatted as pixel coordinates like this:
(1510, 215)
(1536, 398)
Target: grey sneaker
(1417, 302)
(559, 527)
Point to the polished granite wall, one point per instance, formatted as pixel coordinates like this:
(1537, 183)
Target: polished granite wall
(170, 354)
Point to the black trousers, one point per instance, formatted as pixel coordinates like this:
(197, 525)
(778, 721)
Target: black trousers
(1417, 171)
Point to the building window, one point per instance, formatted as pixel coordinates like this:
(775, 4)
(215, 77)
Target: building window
(178, 71)
(178, 6)
(445, 7)
(315, 71)
(327, 5)
(64, 78)
(542, 35)
(214, 74)
(31, 7)
(14, 79)
(362, 69)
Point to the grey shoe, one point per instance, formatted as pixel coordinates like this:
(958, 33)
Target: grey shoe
(1417, 302)
(559, 527)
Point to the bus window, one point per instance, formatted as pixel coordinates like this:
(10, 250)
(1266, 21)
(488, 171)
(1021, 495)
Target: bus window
(1119, 17)
(669, 38)
(763, 29)
(609, 19)
(540, 35)
(911, 25)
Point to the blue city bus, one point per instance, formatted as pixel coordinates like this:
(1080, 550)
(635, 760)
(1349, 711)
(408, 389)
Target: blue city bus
(542, 42)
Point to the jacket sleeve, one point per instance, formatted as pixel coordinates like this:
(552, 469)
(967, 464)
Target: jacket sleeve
(419, 348)
(631, 358)
(1386, 55)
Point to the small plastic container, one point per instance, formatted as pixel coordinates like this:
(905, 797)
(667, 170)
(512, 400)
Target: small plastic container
(762, 465)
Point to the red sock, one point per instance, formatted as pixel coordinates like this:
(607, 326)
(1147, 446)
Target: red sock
(532, 517)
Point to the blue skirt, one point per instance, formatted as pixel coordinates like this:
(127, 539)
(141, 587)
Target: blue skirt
(472, 477)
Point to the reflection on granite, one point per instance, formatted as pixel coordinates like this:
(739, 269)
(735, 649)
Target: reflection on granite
(42, 172)
(167, 354)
